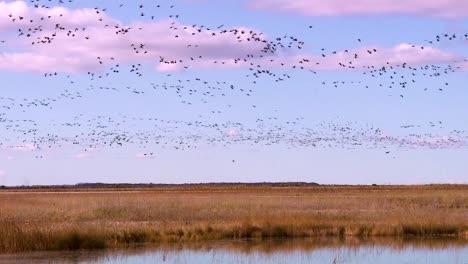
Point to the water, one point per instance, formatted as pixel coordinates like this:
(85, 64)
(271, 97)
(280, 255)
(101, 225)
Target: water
(274, 252)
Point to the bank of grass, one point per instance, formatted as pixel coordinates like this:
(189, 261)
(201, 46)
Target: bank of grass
(96, 219)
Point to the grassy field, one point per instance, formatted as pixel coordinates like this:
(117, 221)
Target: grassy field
(67, 219)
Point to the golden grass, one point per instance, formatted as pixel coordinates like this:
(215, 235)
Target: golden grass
(58, 219)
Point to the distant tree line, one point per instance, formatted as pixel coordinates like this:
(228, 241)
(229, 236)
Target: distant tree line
(161, 185)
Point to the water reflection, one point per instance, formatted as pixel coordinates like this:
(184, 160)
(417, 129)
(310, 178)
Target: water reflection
(272, 251)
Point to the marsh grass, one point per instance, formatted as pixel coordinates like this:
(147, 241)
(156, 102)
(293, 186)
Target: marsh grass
(83, 219)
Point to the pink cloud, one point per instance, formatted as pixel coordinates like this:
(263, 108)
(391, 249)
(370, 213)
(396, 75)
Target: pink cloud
(8, 157)
(99, 46)
(438, 141)
(20, 148)
(140, 155)
(403, 53)
(86, 154)
(22, 13)
(104, 48)
(232, 132)
(82, 155)
(144, 155)
(178, 46)
(463, 65)
(2, 173)
(433, 8)
(435, 142)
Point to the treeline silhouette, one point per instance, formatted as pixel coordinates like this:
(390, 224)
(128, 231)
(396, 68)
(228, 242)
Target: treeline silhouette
(161, 185)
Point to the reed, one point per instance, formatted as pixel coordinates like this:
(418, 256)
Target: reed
(55, 219)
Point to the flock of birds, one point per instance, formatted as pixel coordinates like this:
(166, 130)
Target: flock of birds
(262, 63)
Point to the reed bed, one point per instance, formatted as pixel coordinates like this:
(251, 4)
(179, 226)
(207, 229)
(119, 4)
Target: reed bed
(57, 219)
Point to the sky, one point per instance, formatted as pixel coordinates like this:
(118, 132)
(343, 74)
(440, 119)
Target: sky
(235, 128)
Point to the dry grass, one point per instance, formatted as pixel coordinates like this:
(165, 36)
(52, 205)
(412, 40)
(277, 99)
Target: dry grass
(75, 219)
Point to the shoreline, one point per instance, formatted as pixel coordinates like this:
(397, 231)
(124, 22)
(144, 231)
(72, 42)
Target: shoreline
(90, 239)
(247, 248)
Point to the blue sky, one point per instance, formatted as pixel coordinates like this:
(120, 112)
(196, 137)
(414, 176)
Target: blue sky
(303, 96)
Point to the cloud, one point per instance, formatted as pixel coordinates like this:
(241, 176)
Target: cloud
(144, 155)
(82, 155)
(431, 141)
(403, 53)
(2, 173)
(95, 45)
(232, 132)
(19, 13)
(20, 148)
(432, 8)
(140, 155)
(463, 65)
(87, 44)
(367, 58)
(86, 154)
(439, 141)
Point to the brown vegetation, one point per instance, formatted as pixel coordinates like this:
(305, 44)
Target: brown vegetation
(82, 218)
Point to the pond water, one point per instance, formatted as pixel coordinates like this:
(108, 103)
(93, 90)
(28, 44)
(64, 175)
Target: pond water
(274, 252)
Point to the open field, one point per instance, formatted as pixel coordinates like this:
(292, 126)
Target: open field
(72, 218)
